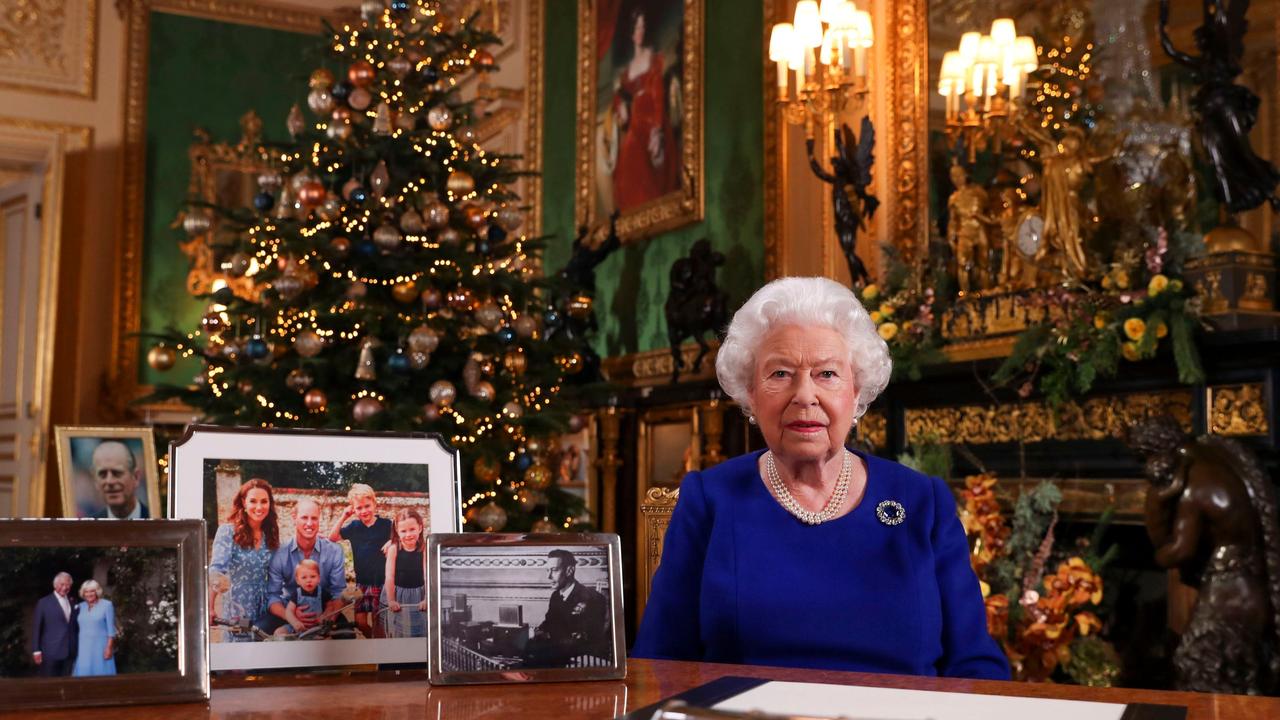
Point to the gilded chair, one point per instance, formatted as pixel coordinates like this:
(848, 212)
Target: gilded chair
(655, 515)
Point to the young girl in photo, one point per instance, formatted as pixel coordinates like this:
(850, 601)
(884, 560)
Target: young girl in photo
(405, 590)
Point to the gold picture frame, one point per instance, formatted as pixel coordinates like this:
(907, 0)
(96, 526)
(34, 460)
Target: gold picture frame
(662, 195)
(77, 445)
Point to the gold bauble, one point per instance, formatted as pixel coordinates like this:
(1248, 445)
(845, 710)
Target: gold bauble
(405, 292)
(460, 182)
(515, 362)
(537, 476)
(321, 79)
(490, 517)
(486, 470)
(162, 357)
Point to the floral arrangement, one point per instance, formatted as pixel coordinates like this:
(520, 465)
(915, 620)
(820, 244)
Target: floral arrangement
(1046, 622)
(905, 317)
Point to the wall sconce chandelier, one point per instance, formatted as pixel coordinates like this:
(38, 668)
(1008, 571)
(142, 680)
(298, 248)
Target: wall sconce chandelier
(983, 82)
(826, 48)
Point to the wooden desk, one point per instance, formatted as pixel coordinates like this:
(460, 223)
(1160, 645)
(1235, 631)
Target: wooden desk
(376, 697)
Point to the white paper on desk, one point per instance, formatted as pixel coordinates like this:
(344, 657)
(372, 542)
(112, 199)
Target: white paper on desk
(871, 703)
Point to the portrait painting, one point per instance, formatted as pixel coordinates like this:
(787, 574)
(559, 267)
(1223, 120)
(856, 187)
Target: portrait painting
(100, 612)
(640, 105)
(513, 608)
(108, 473)
(317, 543)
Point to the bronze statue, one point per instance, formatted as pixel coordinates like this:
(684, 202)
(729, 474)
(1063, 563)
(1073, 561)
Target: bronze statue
(850, 173)
(695, 305)
(1210, 513)
(1225, 112)
(968, 232)
(576, 291)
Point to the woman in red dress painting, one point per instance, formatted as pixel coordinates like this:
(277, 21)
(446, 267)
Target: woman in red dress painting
(647, 164)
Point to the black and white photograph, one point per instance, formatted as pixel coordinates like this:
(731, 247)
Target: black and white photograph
(525, 607)
(316, 551)
(86, 603)
(108, 473)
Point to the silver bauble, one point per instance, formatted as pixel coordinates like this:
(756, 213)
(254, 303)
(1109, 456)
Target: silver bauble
(270, 181)
(330, 209)
(338, 130)
(525, 326)
(288, 286)
(449, 236)
(436, 214)
(308, 343)
(360, 99)
(372, 9)
(320, 101)
(399, 66)
(484, 390)
(491, 517)
(238, 264)
(509, 217)
(423, 339)
(411, 222)
(197, 222)
(512, 410)
(298, 380)
(387, 237)
(489, 315)
(440, 117)
(442, 393)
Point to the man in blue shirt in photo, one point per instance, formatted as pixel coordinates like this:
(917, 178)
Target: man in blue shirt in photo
(281, 585)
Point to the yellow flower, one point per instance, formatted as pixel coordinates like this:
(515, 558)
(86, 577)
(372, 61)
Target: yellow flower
(1130, 351)
(986, 589)
(1162, 329)
(870, 292)
(887, 310)
(1175, 285)
(1134, 328)
(1122, 279)
(1157, 285)
(888, 330)
(1107, 282)
(1099, 321)
(875, 317)
(907, 325)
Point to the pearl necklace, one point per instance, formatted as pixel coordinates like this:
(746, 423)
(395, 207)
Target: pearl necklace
(788, 500)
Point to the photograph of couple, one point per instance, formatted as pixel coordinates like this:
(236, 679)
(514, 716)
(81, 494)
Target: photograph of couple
(88, 612)
(316, 550)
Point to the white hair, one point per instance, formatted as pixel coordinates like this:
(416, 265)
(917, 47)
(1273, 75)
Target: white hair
(805, 301)
(59, 576)
(88, 585)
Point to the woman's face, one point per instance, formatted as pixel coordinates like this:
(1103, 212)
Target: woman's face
(91, 595)
(257, 504)
(409, 531)
(637, 32)
(803, 392)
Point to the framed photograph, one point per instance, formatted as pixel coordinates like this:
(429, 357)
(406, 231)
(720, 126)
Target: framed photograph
(102, 613)
(525, 608)
(640, 114)
(108, 472)
(571, 459)
(316, 541)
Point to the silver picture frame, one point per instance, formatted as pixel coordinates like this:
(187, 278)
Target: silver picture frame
(104, 546)
(496, 617)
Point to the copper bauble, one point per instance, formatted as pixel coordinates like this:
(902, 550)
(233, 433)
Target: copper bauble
(406, 120)
(423, 338)
(340, 246)
(311, 193)
(465, 134)
(308, 343)
(387, 237)
(213, 322)
(474, 215)
(365, 408)
(294, 122)
(525, 326)
(530, 499)
(515, 362)
(418, 360)
(405, 292)
(349, 187)
(431, 298)
(435, 214)
(430, 412)
(489, 315)
(513, 410)
(533, 446)
(298, 379)
(486, 470)
(360, 99)
(361, 73)
(357, 290)
(461, 298)
(483, 59)
(460, 182)
(382, 120)
(483, 390)
(411, 222)
(338, 131)
(320, 101)
(544, 526)
(442, 393)
(315, 400)
(490, 517)
(330, 209)
(321, 78)
(162, 357)
(537, 476)
(449, 235)
(343, 115)
(440, 117)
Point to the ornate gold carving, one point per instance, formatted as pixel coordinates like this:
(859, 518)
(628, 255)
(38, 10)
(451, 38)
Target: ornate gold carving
(772, 159)
(874, 428)
(1209, 288)
(655, 514)
(1256, 294)
(533, 114)
(48, 46)
(653, 367)
(908, 99)
(674, 209)
(1237, 410)
(1097, 418)
(1081, 498)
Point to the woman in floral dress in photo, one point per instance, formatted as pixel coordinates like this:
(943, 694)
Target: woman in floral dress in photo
(242, 549)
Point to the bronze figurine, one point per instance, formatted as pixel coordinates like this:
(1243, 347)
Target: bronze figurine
(695, 304)
(850, 173)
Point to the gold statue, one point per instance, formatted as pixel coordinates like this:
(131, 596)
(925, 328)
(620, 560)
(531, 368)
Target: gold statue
(967, 232)
(1067, 167)
(1017, 270)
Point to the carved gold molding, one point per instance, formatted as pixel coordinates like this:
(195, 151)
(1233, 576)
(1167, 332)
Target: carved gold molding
(653, 367)
(1081, 498)
(533, 94)
(48, 46)
(908, 100)
(1096, 419)
(655, 516)
(772, 160)
(675, 209)
(1237, 410)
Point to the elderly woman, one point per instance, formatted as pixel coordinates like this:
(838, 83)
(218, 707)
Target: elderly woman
(97, 619)
(808, 554)
(242, 549)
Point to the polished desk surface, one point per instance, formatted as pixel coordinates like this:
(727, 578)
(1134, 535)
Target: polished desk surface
(391, 697)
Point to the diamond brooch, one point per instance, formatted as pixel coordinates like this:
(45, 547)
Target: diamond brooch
(891, 512)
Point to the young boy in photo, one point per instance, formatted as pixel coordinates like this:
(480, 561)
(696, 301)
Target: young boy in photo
(368, 534)
(306, 595)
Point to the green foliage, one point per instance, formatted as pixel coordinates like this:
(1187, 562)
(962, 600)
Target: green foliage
(1032, 514)
(929, 456)
(1094, 662)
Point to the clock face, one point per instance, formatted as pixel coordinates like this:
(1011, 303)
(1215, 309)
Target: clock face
(1030, 234)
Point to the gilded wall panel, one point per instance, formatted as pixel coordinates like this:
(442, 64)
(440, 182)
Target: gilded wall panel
(48, 45)
(1237, 410)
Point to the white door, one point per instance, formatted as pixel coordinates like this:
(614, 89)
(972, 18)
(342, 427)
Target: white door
(22, 443)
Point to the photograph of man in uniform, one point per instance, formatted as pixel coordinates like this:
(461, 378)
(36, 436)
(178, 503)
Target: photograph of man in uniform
(577, 621)
(53, 635)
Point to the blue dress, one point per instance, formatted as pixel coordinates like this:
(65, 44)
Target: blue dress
(743, 581)
(247, 570)
(97, 625)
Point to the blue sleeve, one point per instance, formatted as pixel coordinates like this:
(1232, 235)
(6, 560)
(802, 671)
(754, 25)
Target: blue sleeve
(968, 650)
(275, 576)
(337, 571)
(38, 628)
(222, 547)
(110, 611)
(670, 629)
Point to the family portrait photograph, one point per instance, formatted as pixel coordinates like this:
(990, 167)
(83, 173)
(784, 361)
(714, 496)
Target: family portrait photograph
(526, 607)
(86, 612)
(108, 473)
(642, 149)
(315, 561)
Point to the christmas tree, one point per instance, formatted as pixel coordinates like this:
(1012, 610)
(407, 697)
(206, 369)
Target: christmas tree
(379, 281)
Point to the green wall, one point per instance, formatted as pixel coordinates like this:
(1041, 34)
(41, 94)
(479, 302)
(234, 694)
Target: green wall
(203, 73)
(632, 284)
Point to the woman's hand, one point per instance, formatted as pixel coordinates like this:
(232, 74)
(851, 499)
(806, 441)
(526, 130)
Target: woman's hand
(422, 606)
(106, 653)
(393, 605)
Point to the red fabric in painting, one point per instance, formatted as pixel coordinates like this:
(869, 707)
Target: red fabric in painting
(606, 25)
(636, 177)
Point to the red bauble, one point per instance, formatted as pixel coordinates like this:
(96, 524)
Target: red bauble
(361, 73)
(474, 215)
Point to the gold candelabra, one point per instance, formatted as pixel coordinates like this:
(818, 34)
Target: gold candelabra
(825, 48)
(983, 81)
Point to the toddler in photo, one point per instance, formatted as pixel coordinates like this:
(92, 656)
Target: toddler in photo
(307, 595)
(368, 534)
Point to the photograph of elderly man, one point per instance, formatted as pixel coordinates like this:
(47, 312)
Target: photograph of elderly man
(282, 584)
(577, 620)
(116, 475)
(53, 635)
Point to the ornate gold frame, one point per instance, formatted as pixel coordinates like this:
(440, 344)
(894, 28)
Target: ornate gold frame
(906, 126)
(86, 83)
(674, 209)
